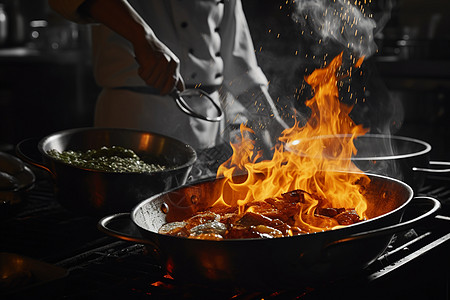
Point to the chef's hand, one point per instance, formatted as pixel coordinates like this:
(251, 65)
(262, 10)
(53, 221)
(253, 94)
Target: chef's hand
(264, 119)
(158, 66)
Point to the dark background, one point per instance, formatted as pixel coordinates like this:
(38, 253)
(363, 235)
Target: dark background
(46, 82)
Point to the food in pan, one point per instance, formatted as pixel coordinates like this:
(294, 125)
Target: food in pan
(257, 204)
(269, 218)
(109, 159)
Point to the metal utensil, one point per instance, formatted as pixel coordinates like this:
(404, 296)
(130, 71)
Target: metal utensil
(179, 97)
(180, 100)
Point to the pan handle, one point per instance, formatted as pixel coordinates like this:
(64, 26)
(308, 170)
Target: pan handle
(402, 226)
(121, 226)
(435, 163)
(27, 151)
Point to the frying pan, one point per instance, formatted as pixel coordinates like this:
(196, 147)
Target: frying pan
(403, 158)
(92, 192)
(262, 263)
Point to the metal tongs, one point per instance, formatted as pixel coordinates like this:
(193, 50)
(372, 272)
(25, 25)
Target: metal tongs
(179, 98)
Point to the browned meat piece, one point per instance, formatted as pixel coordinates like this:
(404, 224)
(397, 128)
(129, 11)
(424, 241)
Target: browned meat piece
(242, 232)
(266, 209)
(268, 232)
(286, 211)
(258, 231)
(201, 218)
(271, 201)
(229, 218)
(329, 211)
(348, 217)
(281, 226)
(258, 206)
(256, 219)
(317, 221)
(295, 196)
(222, 209)
(253, 219)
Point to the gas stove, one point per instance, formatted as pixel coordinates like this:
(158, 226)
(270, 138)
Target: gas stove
(82, 262)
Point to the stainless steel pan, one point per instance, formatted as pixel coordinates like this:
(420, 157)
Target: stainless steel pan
(94, 192)
(287, 261)
(403, 158)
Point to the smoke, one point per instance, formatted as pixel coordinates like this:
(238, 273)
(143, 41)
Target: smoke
(330, 27)
(339, 22)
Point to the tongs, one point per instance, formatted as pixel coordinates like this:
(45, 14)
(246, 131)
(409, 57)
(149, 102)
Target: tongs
(187, 109)
(178, 96)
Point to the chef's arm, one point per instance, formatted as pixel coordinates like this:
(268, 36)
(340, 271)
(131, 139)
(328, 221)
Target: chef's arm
(159, 67)
(245, 79)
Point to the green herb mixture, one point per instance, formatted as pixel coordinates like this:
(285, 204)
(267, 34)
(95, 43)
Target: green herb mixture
(110, 159)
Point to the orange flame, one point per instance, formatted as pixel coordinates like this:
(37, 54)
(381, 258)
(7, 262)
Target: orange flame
(304, 158)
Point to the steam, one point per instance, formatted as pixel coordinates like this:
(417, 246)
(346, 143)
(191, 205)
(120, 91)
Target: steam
(340, 22)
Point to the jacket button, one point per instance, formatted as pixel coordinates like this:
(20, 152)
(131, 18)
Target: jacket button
(184, 24)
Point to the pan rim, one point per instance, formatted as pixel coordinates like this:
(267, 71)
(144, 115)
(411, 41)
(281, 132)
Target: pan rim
(427, 146)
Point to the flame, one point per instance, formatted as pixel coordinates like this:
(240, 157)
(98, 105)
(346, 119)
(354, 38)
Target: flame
(304, 158)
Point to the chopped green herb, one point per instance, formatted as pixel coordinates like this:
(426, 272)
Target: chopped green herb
(110, 159)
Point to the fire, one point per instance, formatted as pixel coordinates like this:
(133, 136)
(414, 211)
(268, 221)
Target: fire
(304, 159)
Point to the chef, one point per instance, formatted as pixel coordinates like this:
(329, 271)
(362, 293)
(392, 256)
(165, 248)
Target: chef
(142, 50)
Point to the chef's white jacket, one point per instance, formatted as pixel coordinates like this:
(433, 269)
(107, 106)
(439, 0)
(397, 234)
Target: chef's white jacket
(212, 40)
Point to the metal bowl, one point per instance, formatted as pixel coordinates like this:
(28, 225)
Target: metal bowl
(95, 192)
